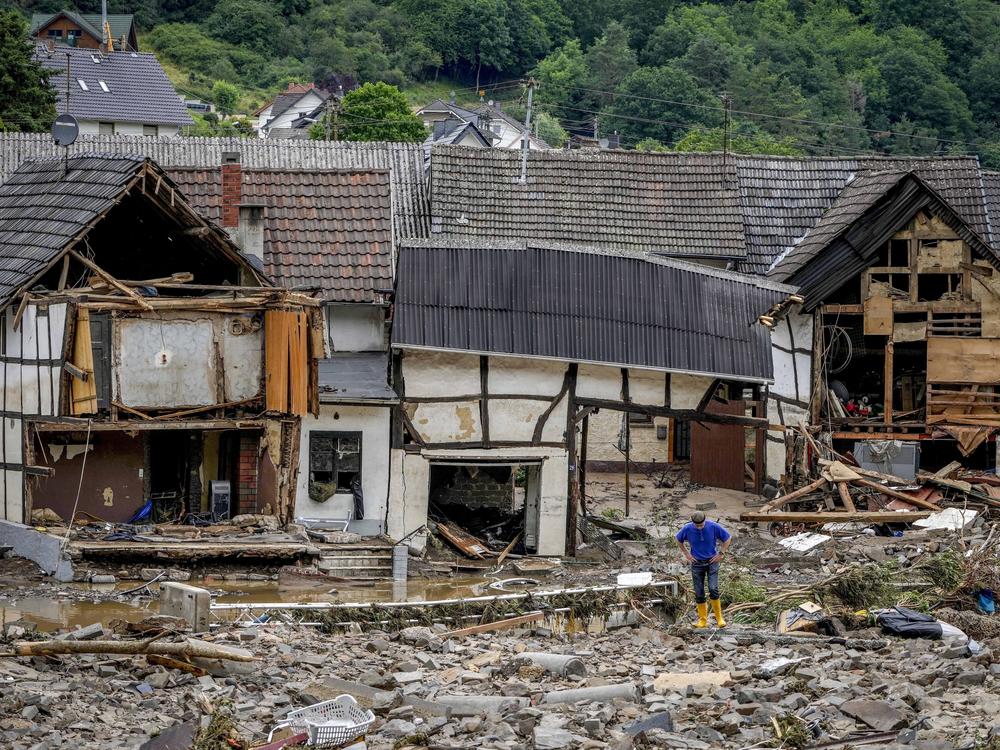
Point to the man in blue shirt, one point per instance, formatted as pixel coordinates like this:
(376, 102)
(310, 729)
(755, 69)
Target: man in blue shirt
(705, 557)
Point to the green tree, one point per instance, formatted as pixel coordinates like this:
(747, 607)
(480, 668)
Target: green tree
(660, 103)
(225, 96)
(559, 76)
(27, 102)
(744, 138)
(253, 24)
(609, 61)
(375, 112)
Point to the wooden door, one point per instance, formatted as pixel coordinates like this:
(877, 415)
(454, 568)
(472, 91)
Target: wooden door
(717, 450)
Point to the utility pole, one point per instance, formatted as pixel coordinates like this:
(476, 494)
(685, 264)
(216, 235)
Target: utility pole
(527, 133)
(727, 103)
(332, 117)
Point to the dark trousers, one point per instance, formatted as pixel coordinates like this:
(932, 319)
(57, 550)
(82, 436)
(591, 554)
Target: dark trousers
(701, 570)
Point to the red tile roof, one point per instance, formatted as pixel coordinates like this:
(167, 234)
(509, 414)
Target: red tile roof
(322, 228)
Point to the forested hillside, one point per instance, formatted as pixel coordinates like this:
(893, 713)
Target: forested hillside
(814, 76)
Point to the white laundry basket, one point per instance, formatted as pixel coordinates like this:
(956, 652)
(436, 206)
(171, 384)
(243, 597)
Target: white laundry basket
(331, 723)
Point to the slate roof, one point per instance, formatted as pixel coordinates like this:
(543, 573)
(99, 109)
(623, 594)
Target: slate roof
(584, 306)
(676, 204)
(288, 99)
(325, 228)
(355, 376)
(863, 192)
(991, 189)
(120, 23)
(48, 204)
(783, 197)
(139, 90)
(41, 212)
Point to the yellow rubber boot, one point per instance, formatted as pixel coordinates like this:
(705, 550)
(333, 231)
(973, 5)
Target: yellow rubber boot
(702, 615)
(717, 609)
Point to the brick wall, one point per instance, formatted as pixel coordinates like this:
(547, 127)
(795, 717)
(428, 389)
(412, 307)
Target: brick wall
(246, 491)
(490, 487)
(232, 193)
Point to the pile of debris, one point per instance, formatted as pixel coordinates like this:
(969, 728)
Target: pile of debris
(844, 493)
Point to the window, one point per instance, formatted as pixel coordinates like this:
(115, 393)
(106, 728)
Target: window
(83, 84)
(74, 33)
(55, 33)
(104, 87)
(635, 418)
(106, 128)
(150, 130)
(334, 463)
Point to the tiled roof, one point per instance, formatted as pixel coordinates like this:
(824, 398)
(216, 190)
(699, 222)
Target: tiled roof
(405, 161)
(355, 376)
(676, 204)
(325, 228)
(783, 197)
(138, 89)
(42, 211)
(566, 303)
(991, 189)
(854, 200)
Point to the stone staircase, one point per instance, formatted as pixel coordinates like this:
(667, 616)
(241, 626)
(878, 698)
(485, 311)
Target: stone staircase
(356, 561)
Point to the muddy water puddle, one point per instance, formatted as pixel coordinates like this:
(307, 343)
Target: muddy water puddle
(53, 612)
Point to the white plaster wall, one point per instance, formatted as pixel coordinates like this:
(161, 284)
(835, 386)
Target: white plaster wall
(27, 388)
(514, 419)
(686, 391)
(187, 376)
(93, 127)
(356, 328)
(531, 377)
(597, 381)
(451, 422)
(373, 424)
(306, 104)
(555, 427)
(552, 521)
(427, 374)
(791, 353)
(647, 387)
(408, 496)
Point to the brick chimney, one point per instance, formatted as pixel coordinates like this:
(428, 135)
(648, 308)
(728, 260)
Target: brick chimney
(232, 189)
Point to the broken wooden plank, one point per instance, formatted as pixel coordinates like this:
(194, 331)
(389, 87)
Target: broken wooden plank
(187, 649)
(182, 666)
(130, 293)
(512, 622)
(897, 494)
(836, 517)
(948, 471)
(509, 547)
(464, 541)
(799, 493)
(845, 497)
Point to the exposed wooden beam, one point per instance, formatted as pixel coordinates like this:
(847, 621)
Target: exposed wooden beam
(130, 293)
(691, 415)
(837, 517)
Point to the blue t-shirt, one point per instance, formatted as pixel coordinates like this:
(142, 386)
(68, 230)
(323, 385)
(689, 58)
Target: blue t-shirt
(702, 541)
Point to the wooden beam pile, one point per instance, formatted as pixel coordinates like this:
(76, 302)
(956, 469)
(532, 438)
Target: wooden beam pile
(850, 493)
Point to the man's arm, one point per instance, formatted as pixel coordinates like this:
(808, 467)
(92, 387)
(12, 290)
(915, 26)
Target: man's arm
(722, 550)
(684, 551)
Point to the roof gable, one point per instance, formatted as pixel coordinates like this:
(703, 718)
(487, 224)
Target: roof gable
(48, 206)
(868, 211)
(287, 100)
(534, 300)
(138, 88)
(41, 20)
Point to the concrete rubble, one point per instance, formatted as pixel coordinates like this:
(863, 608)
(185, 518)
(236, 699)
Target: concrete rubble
(477, 691)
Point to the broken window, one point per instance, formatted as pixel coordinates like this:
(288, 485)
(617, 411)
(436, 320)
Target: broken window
(334, 463)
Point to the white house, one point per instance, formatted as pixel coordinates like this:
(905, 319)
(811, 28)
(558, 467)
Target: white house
(117, 93)
(294, 109)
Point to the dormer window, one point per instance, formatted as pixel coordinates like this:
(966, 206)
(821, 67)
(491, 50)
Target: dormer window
(104, 87)
(83, 84)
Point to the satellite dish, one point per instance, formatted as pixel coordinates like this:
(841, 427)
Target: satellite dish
(65, 130)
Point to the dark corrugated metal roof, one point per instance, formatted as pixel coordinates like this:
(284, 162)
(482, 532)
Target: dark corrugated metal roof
(583, 306)
(355, 376)
(42, 210)
(325, 228)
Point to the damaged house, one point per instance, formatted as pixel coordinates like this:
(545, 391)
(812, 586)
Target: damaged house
(894, 254)
(503, 352)
(328, 232)
(150, 371)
